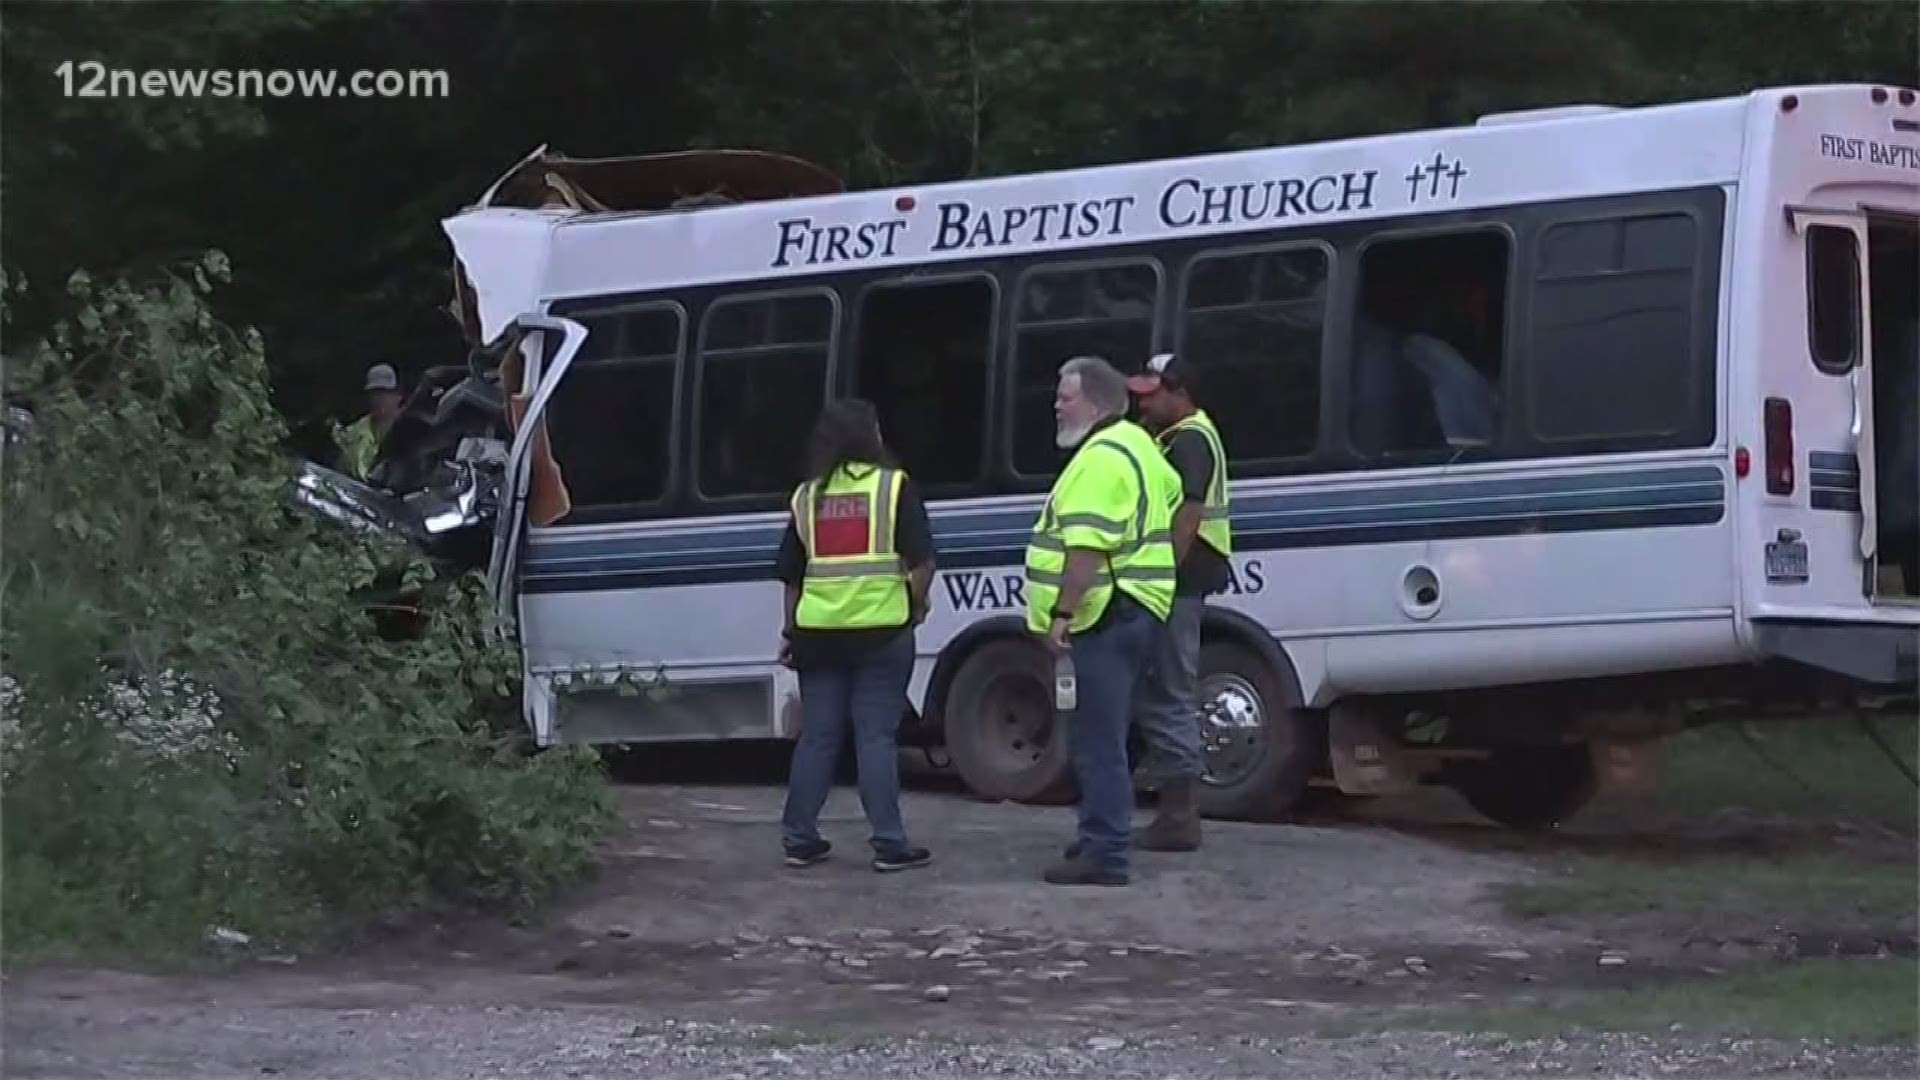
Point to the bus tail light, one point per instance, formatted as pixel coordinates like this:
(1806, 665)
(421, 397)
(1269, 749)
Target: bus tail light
(1779, 452)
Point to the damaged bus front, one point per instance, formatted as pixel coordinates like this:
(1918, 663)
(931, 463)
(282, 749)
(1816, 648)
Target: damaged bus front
(462, 473)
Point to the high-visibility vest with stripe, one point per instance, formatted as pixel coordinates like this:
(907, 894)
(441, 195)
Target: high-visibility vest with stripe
(359, 445)
(1116, 495)
(855, 579)
(1216, 526)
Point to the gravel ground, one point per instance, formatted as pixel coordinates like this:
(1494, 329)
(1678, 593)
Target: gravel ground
(508, 1043)
(697, 955)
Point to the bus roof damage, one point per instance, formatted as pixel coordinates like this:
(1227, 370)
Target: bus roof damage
(500, 257)
(553, 185)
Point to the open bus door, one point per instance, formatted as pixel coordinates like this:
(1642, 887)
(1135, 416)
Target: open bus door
(1840, 335)
(1863, 331)
(545, 348)
(1893, 358)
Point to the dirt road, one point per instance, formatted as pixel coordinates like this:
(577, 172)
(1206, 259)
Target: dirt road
(1279, 950)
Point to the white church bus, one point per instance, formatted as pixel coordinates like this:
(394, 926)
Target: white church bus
(1691, 329)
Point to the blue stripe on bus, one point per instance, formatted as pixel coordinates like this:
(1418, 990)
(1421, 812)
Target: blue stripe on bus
(1833, 481)
(971, 538)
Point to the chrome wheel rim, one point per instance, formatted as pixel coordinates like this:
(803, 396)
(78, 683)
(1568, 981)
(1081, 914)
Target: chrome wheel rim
(1233, 728)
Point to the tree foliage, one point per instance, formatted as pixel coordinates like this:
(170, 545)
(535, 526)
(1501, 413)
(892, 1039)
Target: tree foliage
(204, 721)
(202, 724)
(330, 208)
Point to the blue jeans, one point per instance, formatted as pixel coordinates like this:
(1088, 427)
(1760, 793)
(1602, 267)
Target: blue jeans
(1107, 665)
(869, 696)
(1165, 707)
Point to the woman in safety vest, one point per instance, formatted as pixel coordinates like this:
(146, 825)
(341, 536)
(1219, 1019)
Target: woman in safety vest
(857, 560)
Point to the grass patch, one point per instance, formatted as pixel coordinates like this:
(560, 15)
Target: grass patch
(1803, 825)
(1821, 892)
(1821, 769)
(1846, 1001)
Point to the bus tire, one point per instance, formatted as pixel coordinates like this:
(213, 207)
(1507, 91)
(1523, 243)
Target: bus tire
(1259, 747)
(1001, 733)
(1529, 788)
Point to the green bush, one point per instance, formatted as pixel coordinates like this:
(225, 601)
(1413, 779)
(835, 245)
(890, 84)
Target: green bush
(202, 725)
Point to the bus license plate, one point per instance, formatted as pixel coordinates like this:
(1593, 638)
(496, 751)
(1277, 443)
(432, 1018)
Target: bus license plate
(1787, 561)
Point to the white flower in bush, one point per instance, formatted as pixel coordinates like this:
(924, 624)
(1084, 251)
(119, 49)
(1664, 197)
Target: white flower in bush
(166, 717)
(10, 740)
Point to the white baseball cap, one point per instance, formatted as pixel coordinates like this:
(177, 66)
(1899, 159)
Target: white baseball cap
(382, 377)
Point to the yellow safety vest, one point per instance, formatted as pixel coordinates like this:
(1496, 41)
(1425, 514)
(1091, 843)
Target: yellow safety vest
(1216, 526)
(855, 579)
(1117, 496)
(359, 445)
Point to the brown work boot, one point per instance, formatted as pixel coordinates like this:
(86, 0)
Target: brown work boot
(1077, 871)
(1177, 826)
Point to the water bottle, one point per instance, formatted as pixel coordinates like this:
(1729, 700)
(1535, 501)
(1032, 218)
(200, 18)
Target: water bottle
(1066, 692)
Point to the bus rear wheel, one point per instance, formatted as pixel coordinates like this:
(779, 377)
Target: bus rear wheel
(1000, 729)
(1529, 788)
(1259, 748)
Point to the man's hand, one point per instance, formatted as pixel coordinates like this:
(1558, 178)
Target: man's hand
(1057, 642)
(786, 652)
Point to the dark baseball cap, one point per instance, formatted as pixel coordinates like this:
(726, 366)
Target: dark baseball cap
(1164, 371)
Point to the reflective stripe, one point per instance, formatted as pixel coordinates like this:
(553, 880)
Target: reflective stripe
(879, 537)
(878, 568)
(1217, 483)
(1131, 573)
(1093, 521)
(803, 515)
(1140, 507)
(1054, 543)
(1140, 480)
(855, 591)
(1138, 539)
(882, 541)
(1216, 522)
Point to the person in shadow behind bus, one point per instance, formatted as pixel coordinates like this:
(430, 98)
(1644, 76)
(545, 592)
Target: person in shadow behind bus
(857, 560)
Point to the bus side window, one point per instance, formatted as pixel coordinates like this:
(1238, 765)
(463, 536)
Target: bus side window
(1612, 359)
(924, 352)
(1104, 311)
(763, 381)
(1251, 330)
(611, 419)
(1429, 343)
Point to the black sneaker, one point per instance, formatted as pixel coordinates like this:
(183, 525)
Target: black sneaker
(903, 859)
(808, 854)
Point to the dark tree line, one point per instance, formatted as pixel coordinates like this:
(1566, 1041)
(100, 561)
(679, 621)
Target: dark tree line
(330, 209)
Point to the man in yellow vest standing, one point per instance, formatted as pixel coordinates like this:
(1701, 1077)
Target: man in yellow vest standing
(1099, 584)
(1166, 708)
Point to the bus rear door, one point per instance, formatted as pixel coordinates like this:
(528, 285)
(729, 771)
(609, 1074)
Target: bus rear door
(1815, 459)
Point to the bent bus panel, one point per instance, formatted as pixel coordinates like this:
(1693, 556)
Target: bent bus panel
(1502, 404)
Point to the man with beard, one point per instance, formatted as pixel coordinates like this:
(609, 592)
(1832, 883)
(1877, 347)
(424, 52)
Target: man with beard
(1100, 575)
